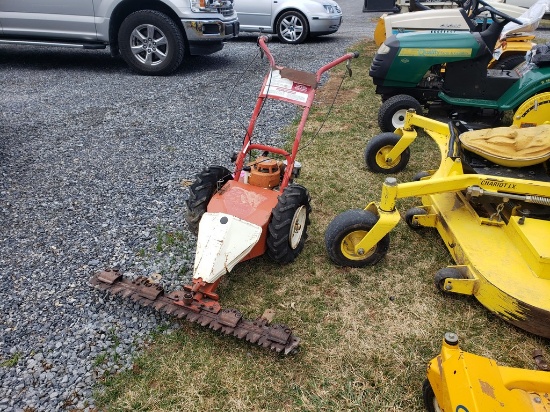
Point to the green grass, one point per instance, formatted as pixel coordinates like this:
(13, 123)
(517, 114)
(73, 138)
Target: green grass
(367, 334)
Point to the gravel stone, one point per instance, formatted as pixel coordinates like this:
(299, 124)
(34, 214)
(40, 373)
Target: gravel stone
(92, 164)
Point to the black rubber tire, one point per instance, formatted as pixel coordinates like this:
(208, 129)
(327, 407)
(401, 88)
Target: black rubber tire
(347, 229)
(289, 24)
(287, 230)
(376, 149)
(428, 396)
(154, 59)
(446, 273)
(391, 114)
(207, 183)
(418, 176)
(509, 62)
(409, 214)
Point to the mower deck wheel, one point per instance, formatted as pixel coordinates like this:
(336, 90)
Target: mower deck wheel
(287, 231)
(345, 231)
(207, 183)
(378, 148)
(430, 401)
(409, 214)
(446, 273)
(391, 114)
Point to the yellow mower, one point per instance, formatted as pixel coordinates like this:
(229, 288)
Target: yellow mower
(463, 382)
(491, 208)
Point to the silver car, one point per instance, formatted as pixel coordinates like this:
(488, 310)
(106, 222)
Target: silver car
(292, 20)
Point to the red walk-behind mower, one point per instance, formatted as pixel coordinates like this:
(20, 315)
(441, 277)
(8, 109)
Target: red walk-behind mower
(256, 209)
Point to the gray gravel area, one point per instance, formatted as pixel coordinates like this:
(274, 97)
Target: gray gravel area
(92, 161)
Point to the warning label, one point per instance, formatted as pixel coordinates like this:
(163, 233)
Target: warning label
(277, 86)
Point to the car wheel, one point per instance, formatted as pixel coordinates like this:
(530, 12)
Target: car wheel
(292, 27)
(151, 43)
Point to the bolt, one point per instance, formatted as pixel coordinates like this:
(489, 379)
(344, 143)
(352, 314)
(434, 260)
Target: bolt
(361, 251)
(391, 181)
(451, 338)
(537, 399)
(448, 287)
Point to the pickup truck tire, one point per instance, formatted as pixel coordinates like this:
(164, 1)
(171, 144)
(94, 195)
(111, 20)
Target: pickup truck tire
(151, 43)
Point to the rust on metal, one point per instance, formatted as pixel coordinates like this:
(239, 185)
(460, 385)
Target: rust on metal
(201, 310)
(109, 276)
(540, 361)
(299, 76)
(147, 289)
(230, 317)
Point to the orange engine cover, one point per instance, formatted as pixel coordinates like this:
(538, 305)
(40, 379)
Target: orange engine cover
(265, 172)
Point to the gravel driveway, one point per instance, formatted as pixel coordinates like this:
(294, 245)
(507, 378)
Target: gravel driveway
(92, 161)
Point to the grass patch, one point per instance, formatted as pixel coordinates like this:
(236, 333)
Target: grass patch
(367, 334)
(11, 362)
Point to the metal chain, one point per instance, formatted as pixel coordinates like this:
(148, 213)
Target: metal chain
(496, 215)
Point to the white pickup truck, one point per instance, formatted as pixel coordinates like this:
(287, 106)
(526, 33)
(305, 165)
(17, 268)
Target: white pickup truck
(153, 36)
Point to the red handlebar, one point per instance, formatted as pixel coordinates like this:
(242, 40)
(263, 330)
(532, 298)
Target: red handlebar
(263, 40)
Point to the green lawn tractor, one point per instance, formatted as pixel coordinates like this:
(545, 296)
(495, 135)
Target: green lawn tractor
(446, 74)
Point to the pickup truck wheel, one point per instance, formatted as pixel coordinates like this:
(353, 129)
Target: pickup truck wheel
(151, 43)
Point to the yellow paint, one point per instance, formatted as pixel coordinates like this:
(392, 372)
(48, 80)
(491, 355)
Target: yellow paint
(412, 52)
(462, 381)
(508, 263)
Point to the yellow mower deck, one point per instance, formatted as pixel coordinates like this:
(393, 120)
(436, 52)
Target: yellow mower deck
(462, 381)
(507, 266)
(502, 255)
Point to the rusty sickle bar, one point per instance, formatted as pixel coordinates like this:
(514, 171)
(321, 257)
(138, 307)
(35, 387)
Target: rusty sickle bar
(276, 337)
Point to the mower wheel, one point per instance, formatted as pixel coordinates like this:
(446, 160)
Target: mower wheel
(207, 183)
(345, 231)
(378, 148)
(420, 175)
(391, 114)
(428, 395)
(409, 214)
(443, 274)
(287, 231)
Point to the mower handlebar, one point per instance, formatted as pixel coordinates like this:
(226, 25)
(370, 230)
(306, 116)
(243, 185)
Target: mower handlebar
(347, 56)
(264, 39)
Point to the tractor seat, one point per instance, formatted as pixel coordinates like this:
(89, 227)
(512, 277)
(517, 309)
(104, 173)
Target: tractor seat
(510, 146)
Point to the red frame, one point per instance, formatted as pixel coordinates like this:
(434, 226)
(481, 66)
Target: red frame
(290, 157)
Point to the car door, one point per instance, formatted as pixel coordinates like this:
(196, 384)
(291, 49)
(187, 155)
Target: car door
(254, 14)
(52, 19)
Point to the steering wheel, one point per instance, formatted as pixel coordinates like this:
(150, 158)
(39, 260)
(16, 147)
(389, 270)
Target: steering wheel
(496, 15)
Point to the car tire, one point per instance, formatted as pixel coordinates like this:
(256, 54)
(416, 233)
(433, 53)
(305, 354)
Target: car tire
(151, 43)
(292, 27)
